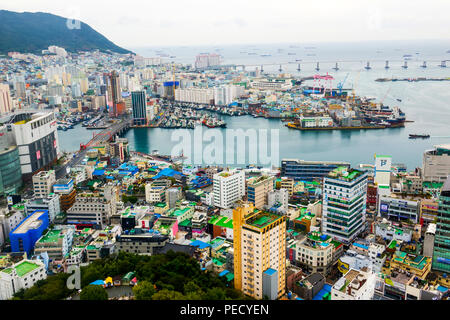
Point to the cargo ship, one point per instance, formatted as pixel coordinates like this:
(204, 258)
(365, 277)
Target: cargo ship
(419, 136)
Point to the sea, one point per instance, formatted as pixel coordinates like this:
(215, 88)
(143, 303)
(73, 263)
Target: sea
(426, 104)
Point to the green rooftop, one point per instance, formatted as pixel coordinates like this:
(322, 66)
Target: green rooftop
(51, 236)
(263, 219)
(221, 221)
(25, 267)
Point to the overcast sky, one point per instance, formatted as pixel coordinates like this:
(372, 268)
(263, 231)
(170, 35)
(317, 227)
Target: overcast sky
(142, 23)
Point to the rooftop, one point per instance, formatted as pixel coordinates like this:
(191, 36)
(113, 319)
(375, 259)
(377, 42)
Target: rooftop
(345, 173)
(262, 219)
(23, 268)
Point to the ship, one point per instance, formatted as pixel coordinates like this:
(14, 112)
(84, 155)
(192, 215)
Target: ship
(214, 123)
(419, 136)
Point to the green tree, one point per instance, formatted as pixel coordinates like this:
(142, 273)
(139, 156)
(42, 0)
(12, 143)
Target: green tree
(144, 290)
(215, 294)
(93, 292)
(165, 294)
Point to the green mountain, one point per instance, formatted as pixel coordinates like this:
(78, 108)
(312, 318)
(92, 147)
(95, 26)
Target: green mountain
(29, 32)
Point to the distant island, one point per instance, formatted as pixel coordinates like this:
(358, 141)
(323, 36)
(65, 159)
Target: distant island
(29, 32)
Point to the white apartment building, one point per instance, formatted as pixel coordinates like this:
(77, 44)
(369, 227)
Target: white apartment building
(43, 183)
(354, 285)
(9, 220)
(207, 60)
(154, 194)
(195, 95)
(228, 187)
(436, 164)
(271, 85)
(226, 94)
(22, 275)
(344, 203)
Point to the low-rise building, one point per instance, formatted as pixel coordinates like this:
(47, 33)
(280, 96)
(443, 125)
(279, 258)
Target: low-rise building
(22, 275)
(354, 285)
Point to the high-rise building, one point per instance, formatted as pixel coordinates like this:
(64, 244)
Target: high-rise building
(308, 170)
(114, 93)
(258, 189)
(10, 169)
(139, 104)
(344, 203)
(441, 251)
(207, 60)
(5, 99)
(228, 187)
(436, 164)
(37, 137)
(259, 252)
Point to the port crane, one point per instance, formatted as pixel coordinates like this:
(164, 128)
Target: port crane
(341, 84)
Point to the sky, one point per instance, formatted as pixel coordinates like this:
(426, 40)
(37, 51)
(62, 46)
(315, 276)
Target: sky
(147, 23)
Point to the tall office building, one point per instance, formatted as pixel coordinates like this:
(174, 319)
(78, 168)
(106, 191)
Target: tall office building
(37, 137)
(10, 169)
(344, 203)
(441, 251)
(139, 104)
(436, 163)
(259, 252)
(258, 189)
(5, 99)
(308, 170)
(114, 93)
(228, 187)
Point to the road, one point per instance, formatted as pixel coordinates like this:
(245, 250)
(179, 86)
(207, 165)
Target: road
(102, 136)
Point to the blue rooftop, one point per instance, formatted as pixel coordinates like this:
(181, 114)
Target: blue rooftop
(167, 172)
(356, 244)
(224, 272)
(270, 271)
(200, 244)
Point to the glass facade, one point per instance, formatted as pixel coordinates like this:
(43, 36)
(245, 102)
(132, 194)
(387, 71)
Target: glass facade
(441, 252)
(10, 171)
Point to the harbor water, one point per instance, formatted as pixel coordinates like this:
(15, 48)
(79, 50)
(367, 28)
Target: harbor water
(425, 103)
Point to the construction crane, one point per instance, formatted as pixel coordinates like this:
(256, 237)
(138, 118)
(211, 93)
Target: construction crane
(341, 84)
(353, 87)
(173, 79)
(387, 92)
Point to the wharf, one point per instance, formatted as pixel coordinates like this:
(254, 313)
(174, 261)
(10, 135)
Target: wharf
(293, 126)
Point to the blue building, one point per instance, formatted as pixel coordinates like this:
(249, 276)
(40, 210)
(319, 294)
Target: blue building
(25, 235)
(308, 170)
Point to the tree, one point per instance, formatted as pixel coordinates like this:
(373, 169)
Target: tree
(93, 292)
(144, 290)
(165, 294)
